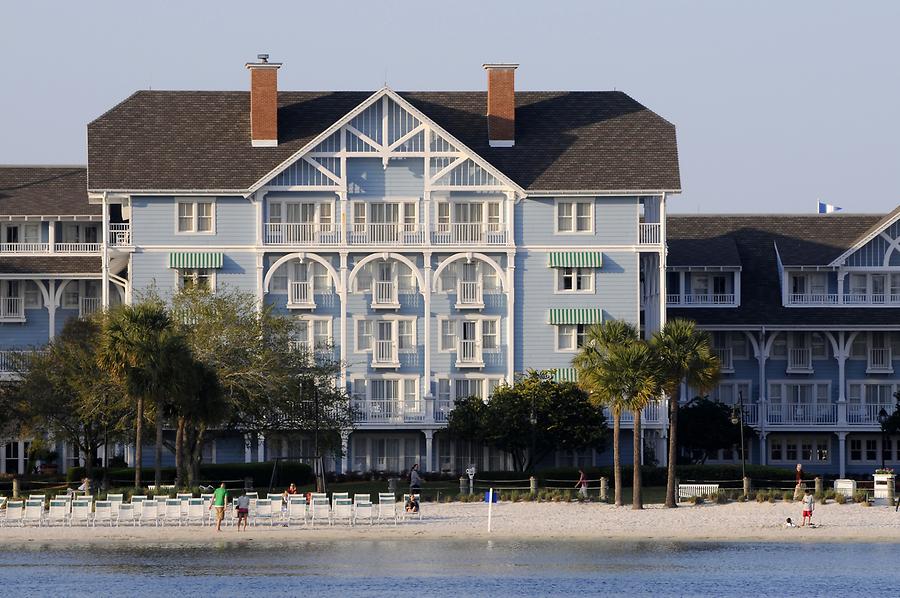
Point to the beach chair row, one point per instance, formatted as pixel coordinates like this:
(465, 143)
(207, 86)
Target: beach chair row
(186, 510)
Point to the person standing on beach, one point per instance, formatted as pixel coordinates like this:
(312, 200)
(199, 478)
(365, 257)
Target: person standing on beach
(809, 504)
(220, 498)
(582, 484)
(242, 504)
(415, 480)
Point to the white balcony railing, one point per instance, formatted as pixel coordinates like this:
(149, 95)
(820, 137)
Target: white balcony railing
(468, 354)
(880, 360)
(859, 414)
(384, 294)
(24, 247)
(394, 411)
(799, 360)
(292, 233)
(12, 309)
(300, 346)
(783, 414)
(88, 306)
(461, 233)
(384, 354)
(652, 414)
(13, 362)
(649, 234)
(813, 299)
(442, 409)
(469, 294)
(77, 247)
(726, 363)
(120, 234)
(386, 233)
(300, 294)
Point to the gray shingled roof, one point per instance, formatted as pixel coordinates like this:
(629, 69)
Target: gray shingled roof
(812, 239)
(718, 252)
(50, 265)
(44, 190)
(167, 140)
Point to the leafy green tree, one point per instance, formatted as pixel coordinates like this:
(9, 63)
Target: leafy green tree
(706, 428)
(63, 393)
(685, 355)
(589, 363)
(537, 412)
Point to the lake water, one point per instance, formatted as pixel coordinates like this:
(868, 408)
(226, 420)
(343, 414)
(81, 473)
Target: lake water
(452, 568)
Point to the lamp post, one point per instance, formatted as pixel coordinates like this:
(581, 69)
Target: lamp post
(882, 420)
(737, 418)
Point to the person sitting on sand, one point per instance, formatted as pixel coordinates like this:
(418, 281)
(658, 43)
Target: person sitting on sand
(412, 504)
(789, 523)
(809, 504)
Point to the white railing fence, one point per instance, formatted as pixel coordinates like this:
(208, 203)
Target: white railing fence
(384, 292)
(120, 234)
(300, 293)
(880, 358)
(12, 307)
(24, 247)
(384, 353)
(469, 293)
(88, 306)
(799, 359)
(801, 413)
(293, 233)
(468, 352)
(649, 234)
(77, 247)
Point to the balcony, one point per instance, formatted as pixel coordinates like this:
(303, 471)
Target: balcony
(788, 414)
(464, 233)
(384, 295)
(880, 361)
(291, 233)
(469, 354)
(701, 300)
(799, 361)
(12, 309)
(649, 234)
(384, 354)
(76, 247)
(300, 295)
(120, 234)
(652, 414)
(45, 248)
(388, 233)
(12, 363)
(469, 294)
(389, 411)
(442, 409)
(88, 306)
(859, 414)
(812, 299)
(24, 248)
(726, 363)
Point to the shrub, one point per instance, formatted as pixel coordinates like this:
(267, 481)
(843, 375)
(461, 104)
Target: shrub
(787, 496)
(839, 498)
(696, 500)
(720, 498)
(830, 494)
(762, 496)
(211, 473)
(861, 496)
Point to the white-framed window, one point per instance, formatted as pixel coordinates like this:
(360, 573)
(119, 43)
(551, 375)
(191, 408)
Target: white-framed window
(479, 386)
(570, 337)
(71, 295)
(402, 331)
(490, 280)
(730, 392)
(443, 389)
(365, 330)
(799, 449)
(195, 216)
(574, 280)
(406, 335)
(448, 335)
(791, 392)
(279, 282)
(196, 277)
(33, 297)
(739, 345)
(819, 345)
(779, 345)
(859, 349)
(406, 280)
(314, 332)
(490, 335)
(487, 328)
(575, 216)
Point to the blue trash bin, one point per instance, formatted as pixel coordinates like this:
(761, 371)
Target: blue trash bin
(487, 496)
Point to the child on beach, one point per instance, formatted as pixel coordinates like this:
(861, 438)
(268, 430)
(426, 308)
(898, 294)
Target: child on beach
(789, 523)
(582, 484)
(809, 504)
(243, 510)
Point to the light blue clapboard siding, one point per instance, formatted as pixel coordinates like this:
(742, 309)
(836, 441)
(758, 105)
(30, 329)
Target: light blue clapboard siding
(150, 271)
(872, 253)
(403, 178)
(34, 332)
(615, 222)
(154, 222)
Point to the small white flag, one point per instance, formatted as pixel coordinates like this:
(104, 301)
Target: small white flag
(827, 208)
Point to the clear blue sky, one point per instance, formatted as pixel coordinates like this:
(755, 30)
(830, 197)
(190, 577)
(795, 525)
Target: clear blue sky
(776, 103)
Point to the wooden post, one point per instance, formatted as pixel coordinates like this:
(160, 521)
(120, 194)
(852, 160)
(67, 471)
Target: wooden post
(819, 486)
(15, 488)
(532, 484)
(746, 486)
(604, 489)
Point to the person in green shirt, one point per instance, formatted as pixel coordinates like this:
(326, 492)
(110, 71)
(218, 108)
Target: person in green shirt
(219, 500)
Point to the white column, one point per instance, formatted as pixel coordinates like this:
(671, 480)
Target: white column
(345, 452)
(260, 292)
(840, 287)
(260, 222)
(260, 448)
(842, 454)
(51, 309)
(51, 238)
(737, 287)
(510, 316)
(426, 293)
(763, 456)
(429, 450)
(21, 456)
(841, 356)
(104, 257)
(342, 293)
(248, 450)
(661, 287)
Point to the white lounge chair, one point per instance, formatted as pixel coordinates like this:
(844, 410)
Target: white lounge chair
(103, 513)
(138, 501)
(184, 497)
(387, 506)
(362, 508)
(34, 512)
(149, 513)
(337, 495)
(15, 510)
(196, 512)
(342, 510)
(81, 512)
(264, 511)
(126, 514)
(279, 507)
(59, 511)
(320, 510)
(252, 495)
(115, 500)
(173, 512)
(296, 509)
(407, 514)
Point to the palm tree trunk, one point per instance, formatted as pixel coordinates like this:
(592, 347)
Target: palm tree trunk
(157, 455)
(673, 448)
(179, 454)
(617, 458)
(637, 502)
(138, 441)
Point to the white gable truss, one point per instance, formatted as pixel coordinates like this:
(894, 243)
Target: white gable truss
(879, 248)
(386, 126)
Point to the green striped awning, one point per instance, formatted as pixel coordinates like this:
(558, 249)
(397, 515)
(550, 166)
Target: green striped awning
(576, 315)
(565, 375)
(195, 260)
(576, 259)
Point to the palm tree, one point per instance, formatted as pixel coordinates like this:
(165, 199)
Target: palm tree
(138, 347)
(684, 355)
(630, 372)
(600, 340)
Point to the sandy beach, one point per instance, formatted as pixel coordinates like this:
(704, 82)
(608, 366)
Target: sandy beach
(531, 521)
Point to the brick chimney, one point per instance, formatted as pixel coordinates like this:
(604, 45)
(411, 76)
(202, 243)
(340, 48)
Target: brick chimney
(501, 104)
(263, 101)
